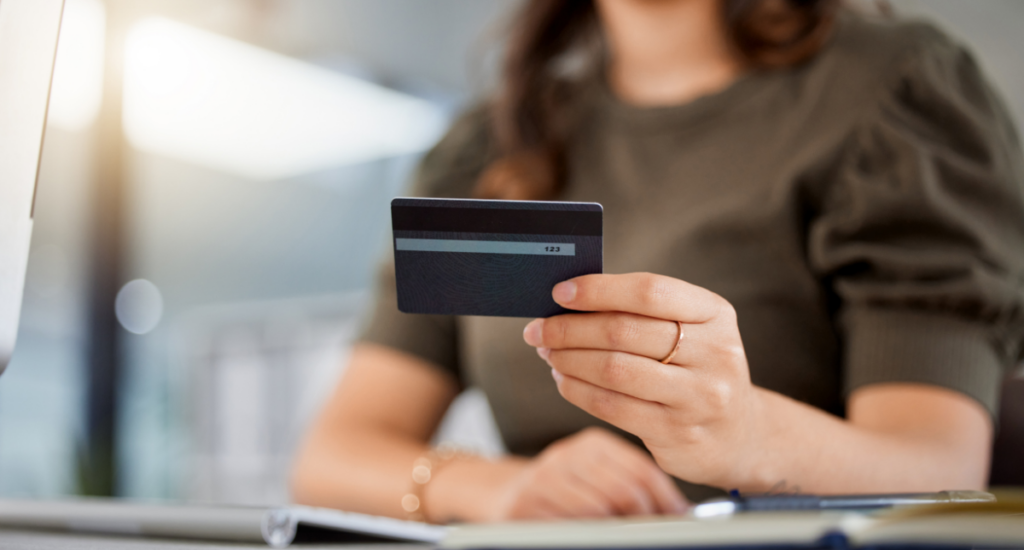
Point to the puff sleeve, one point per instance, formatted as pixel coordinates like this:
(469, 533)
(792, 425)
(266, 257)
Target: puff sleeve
(450, 169)
(920, 234)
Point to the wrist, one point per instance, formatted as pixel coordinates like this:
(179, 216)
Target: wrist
(755, 463)
(471, 489)
(426, 467)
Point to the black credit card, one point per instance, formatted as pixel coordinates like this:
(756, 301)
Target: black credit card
(484, 257)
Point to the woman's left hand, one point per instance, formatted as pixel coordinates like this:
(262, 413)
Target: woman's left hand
(699, 415)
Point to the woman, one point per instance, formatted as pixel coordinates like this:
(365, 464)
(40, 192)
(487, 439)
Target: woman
(845, 194)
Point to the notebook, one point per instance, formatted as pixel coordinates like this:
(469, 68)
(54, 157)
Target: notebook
(949, 527)
(946, 527)
(278, 527)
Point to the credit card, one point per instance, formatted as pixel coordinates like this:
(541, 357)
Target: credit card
(496, 258)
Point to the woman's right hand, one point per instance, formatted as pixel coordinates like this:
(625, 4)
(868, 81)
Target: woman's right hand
(590, 474)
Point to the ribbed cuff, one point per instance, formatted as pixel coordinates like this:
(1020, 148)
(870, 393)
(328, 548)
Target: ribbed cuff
(900, 345)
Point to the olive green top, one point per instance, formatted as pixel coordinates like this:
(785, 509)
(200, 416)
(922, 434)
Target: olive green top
(863, 213)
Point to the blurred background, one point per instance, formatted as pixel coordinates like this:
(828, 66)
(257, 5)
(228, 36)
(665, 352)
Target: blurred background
(213, 200)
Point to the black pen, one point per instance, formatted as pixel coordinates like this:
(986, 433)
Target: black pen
(780, 503)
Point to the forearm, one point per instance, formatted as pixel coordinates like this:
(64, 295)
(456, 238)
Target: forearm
(806, 448)
(357, 470)
(369, 471)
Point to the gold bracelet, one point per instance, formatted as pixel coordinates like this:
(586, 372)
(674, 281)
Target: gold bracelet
(424, 469)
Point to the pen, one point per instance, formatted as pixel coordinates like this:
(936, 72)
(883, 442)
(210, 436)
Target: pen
(777, 503)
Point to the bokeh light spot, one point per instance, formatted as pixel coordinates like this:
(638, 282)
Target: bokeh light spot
(139, 306)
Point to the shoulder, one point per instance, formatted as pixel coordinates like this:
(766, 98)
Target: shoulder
(451, 168)
(869, 58)
(871, 42)
(879, 78)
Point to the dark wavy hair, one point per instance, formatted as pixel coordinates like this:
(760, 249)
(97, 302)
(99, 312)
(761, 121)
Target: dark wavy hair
(553, 42)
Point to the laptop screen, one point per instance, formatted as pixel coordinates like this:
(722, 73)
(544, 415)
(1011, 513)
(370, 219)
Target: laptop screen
(28, 44)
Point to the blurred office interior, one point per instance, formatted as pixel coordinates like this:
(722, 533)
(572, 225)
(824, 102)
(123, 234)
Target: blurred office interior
(212, 202)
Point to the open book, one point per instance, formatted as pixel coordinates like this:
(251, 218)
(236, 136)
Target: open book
(997, 525)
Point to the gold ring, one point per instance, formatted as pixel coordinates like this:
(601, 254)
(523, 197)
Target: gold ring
(675, 350)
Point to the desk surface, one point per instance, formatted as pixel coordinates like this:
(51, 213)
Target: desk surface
(12, 539)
